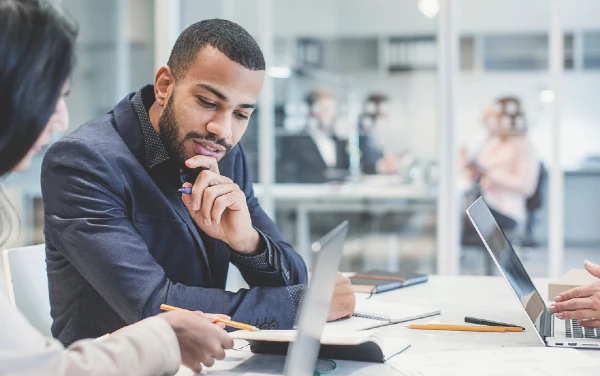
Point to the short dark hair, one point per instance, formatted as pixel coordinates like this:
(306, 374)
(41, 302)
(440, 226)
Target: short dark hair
(377, 98)
(36, 58)
(226, 36)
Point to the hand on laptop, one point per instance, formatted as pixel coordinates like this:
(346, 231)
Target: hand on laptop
(581, 303)
(201, 341)
(218, 206)
(343, 301)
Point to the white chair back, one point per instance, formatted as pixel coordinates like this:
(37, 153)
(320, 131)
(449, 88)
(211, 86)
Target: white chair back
(27, 284)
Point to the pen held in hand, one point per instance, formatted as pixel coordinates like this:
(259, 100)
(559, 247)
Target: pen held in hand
(231, 323)
(185, 190)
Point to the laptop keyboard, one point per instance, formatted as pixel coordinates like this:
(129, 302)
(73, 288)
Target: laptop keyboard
(574, 330)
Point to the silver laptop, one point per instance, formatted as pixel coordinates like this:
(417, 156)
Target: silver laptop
(303, 353)
(551, 331)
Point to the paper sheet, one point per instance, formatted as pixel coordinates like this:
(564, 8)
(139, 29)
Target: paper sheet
(351, 324)
(396, 312)
(392, 347)
(514, 361)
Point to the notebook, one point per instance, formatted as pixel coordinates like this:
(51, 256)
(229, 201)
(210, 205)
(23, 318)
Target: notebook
(357, 346)
(370, 314)
(376, 281)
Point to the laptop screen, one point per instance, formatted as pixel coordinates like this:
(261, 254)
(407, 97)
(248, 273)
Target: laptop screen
(502, 251)
(303, 353)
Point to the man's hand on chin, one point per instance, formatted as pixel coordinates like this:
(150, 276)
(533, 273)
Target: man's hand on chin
(218, 206)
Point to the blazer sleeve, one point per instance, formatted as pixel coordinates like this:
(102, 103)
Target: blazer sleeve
(87, 221)
(370, 154)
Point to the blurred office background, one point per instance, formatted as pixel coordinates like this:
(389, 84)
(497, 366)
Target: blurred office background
(369, 111)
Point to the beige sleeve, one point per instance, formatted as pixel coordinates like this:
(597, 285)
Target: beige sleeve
(148, 347)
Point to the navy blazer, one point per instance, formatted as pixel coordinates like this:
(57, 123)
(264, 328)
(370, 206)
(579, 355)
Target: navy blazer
(120, 242)
(299, 159)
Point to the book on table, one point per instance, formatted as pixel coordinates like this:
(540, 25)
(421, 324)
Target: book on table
(343, 345)
(378, 281)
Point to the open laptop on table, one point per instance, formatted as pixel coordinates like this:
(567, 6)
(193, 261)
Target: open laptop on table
(550, 330)
(302, 346)
(302, 354)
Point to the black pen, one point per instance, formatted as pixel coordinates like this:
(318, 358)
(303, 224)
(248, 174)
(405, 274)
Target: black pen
(475, 320)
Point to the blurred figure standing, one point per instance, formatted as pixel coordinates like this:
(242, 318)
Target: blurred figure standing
(506, 170)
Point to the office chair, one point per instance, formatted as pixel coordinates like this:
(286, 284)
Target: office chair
(27, 284)
(533, 205)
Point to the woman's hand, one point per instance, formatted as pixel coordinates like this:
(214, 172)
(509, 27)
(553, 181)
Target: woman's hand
(581, 303)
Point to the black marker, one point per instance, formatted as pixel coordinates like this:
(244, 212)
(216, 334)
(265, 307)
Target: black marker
(475, 320)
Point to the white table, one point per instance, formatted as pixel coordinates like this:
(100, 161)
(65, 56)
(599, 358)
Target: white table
(457, 297)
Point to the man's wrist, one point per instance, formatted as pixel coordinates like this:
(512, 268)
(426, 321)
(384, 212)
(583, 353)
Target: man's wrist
(249, 247)
(297, 296)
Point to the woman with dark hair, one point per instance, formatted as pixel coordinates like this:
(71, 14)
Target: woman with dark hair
(36, 58)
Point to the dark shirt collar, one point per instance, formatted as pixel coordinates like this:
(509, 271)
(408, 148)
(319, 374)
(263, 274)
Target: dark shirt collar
(141, 102)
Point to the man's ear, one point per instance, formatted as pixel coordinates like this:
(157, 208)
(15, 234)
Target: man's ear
(164, 81)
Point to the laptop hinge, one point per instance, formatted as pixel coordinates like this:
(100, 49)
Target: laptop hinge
(547, 324)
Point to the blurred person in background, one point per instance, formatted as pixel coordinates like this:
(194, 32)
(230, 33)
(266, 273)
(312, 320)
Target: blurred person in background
(317, 154)
(506, 169)
(376, 115)
(321, 152)
(36, 58)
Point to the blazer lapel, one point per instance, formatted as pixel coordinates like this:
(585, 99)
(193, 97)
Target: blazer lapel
(128, 127)
(169, 190)
(165, 175)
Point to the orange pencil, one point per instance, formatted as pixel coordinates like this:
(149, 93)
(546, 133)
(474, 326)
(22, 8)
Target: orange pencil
(465, 328)
(233, 324)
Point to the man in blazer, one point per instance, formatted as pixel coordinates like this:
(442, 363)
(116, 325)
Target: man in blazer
(121, 239)
(317, 155)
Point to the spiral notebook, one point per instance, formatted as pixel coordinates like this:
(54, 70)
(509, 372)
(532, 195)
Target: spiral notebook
(371, 314)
